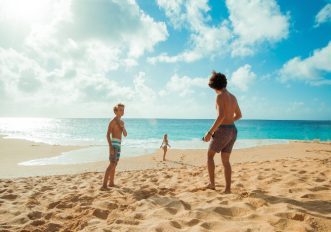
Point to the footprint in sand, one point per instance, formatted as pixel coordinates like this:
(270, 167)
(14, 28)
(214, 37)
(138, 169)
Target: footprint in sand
(175, 224)
(319, 180)
(193, 222)
(138, 216)
(100, 213)
(232, 212)
(293, 216)
(35, 215)
(127, 222)
(319, 188)
(9, 197)
(53, 227)
(37, 222)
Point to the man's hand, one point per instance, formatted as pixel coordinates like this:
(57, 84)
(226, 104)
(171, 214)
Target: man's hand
(207, 137)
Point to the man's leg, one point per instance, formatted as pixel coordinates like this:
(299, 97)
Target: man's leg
(211, 169)
(227, 171)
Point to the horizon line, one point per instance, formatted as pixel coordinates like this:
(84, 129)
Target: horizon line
(157, 118)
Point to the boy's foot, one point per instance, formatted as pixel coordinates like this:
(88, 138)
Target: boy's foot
(210, 186)
(104, 188)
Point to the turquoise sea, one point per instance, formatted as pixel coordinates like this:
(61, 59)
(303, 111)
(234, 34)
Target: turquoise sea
(145, 135)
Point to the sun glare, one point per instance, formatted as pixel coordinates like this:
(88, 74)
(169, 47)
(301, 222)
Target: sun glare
(26, 11)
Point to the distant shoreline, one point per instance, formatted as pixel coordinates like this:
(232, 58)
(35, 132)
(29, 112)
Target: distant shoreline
(14, 151)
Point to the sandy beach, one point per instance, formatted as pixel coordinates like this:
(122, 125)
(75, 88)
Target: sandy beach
(283, 187)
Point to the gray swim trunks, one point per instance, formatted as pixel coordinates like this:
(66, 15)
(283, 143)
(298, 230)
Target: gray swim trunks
(223, 139)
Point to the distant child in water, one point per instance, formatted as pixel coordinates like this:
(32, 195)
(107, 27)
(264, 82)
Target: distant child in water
(115, 131)
(165, 145)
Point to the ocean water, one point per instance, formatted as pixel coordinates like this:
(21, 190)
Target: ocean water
(145, 135)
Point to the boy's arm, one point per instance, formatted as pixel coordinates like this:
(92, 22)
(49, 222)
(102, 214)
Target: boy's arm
(110, 127)
(124, 130)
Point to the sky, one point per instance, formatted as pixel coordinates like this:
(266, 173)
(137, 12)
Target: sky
(78, 58)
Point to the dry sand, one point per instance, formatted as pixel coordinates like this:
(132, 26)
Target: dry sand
(275, 188)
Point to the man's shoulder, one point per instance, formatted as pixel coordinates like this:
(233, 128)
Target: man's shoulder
(220, 96)
(230, 94)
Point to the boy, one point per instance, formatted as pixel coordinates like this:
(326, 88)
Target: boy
(115, 129)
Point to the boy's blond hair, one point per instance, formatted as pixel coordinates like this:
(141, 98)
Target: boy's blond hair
(117, 106)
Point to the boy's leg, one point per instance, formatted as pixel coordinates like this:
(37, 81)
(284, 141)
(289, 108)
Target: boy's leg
(112, 174)
(105, 179)
(227, 171)
(211, 169)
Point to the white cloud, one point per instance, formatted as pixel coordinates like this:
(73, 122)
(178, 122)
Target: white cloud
(250, 23)
(204, 40)
(142, 92)
(108, 33)
(183, 85)
(311, 69)
(324, 15)
(65, 58)
(173, 10)
(243, 77)
(100, 25)
(255, 22)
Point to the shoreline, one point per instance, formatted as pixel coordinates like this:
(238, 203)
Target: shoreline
(15, 151)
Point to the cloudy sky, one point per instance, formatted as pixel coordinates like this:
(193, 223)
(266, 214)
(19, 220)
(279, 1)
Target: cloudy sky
(77, 58)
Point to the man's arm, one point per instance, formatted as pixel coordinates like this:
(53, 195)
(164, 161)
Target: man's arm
(221, 115)
(237, 112)
(218, 120)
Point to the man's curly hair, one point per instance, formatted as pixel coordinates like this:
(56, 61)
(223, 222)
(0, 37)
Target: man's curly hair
(217, 81)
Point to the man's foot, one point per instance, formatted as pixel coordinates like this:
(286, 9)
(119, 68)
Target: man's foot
(104, 188)
(210, 186)
(227, 191)
(112, 186)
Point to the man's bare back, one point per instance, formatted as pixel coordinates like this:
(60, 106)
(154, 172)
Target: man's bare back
(227, 105)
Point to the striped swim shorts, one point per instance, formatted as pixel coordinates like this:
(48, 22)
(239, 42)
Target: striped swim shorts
(116, 143)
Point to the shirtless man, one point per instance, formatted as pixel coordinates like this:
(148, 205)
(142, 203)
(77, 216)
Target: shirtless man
(115, 129)
(223, 132)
